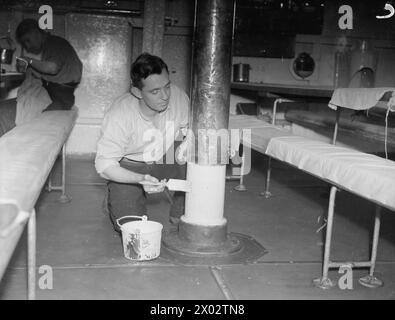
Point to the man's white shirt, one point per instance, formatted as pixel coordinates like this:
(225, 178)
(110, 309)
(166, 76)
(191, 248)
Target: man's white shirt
(126, 133)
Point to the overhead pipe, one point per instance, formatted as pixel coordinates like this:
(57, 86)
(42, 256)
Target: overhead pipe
(202, 235)
(86, 10)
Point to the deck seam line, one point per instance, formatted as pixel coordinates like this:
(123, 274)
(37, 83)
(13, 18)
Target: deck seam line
(110, 266)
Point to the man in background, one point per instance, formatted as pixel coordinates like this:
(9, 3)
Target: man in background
(59, 67)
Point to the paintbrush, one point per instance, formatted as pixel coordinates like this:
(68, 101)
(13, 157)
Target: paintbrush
(172, 184)
(179, 185)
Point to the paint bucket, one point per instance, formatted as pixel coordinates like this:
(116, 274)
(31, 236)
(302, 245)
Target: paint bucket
(141, 239)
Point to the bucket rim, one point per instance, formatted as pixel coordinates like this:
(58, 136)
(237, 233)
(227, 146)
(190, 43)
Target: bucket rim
(142, 218)
(128, 226)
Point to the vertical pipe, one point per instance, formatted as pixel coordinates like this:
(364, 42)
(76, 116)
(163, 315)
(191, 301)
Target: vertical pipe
(335, 131)
(204, 205)
(63, 187)
(211, 80)
(208, 149)
(193, 48)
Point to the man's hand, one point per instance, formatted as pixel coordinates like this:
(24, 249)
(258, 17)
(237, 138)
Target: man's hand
(152, 184)
(21, 64)
(234, 145)
(45, 67)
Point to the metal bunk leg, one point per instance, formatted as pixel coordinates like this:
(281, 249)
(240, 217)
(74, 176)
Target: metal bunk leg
(64, 198)
(275, 111)
(277, 101)
(241, 186)
(267, 193)
(31, 256)
(336, 129)
(49, 185)
(324, 282)
(370, 280)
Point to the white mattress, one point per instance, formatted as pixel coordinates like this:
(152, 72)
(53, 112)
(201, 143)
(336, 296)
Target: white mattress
(256, 133)
(363, 174)
(27, 154)
(360, 98)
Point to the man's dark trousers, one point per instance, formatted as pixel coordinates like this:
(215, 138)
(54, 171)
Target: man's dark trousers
(62, 95)
(130, 199)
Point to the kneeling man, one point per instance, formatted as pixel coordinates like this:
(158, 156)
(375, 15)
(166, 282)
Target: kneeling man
(138, 139)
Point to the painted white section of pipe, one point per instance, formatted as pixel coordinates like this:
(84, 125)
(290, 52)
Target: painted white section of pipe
(204, 205)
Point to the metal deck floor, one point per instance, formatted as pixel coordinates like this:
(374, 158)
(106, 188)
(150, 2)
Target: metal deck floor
(78, 242)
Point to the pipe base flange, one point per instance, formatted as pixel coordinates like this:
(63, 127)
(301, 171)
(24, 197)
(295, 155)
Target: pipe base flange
(237, 249)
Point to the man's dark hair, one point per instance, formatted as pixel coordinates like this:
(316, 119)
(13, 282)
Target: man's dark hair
(25, 27)
(145, 65)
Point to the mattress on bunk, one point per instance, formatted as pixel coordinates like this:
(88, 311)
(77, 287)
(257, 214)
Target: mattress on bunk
(28, 153)
(371, 128)
(256, 133)
(362, 98)
(366, 175)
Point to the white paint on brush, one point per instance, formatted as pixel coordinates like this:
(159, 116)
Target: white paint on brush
(204, 204)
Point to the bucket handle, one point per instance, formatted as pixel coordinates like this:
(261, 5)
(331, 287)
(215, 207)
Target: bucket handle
(143, 218)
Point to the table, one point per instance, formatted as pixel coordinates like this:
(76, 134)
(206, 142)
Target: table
(11, 77)
(10, 80)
